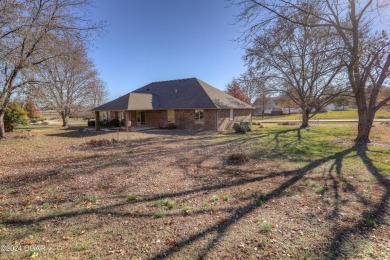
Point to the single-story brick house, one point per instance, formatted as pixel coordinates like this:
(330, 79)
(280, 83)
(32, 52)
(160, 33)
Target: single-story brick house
(185, 103)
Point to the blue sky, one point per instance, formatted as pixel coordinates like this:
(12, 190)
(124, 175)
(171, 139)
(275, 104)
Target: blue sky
(151, 40)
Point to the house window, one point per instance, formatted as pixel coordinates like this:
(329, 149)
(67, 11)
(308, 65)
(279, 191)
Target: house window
(171, 116)
(231, 114)
(199, 116)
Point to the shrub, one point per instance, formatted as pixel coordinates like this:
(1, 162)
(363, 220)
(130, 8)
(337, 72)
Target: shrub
(242, 127)
(168, 126)
(171, 126)
(237, 159)
(91, 123)
(113, 123)
(14, 115)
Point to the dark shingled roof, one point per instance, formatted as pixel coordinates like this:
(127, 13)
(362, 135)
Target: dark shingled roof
(175, 94)
(120, 103)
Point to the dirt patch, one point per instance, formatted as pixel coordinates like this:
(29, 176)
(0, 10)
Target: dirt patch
(237, 159)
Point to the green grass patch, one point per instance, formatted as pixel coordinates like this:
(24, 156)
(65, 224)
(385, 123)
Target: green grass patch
(215, 197)
(83, 246)
(160, 202)
(159, 214)
(266, 226)
(132, 197)
(346, 114)
(170, 204)
(91, 198)
(185, 208)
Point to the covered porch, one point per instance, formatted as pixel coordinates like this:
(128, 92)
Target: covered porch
(124, 120)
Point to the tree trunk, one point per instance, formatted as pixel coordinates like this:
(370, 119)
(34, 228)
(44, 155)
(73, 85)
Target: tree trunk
(2, 128)
(65, 120)
(364, 128)
(305, 118)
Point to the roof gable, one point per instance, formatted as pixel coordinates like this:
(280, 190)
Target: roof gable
(120, 103)
(221, 99)
(141, 101)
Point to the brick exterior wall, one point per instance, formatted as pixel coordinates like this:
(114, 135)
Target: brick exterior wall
(210, 120)
(224, 122)
(185, 118)
(156, 118)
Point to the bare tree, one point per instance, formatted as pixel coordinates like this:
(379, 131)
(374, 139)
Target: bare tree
(299, 63)
(255, 89)
(69, 82)
(26, 28)
(100, 93)
(284, 101)
(367, 56)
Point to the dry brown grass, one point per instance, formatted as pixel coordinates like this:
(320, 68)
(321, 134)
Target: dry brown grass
(159, 194)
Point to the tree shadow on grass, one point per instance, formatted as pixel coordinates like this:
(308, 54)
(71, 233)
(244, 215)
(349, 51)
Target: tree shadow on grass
(78, 132)
(238, 213)
(369, 219)
(278, 133)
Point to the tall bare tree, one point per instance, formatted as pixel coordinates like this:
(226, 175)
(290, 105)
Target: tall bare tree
(256, 89)
(298, 62)
(367, 55)
(69, 82)
(27, 27)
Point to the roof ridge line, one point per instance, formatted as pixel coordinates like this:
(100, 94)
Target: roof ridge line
(172, 80)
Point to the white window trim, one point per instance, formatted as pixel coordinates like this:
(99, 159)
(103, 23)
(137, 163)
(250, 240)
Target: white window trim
(231, 116)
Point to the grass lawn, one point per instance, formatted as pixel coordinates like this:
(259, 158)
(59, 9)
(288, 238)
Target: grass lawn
(347, 114)
(303, 194)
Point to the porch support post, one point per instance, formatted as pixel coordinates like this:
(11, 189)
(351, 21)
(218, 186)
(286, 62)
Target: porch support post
(97, 121)
(128, 120)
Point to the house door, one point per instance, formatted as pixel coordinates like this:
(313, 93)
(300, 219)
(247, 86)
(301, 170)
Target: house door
(140, 118)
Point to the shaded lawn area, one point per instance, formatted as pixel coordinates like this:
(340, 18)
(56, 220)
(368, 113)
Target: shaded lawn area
(171, 194)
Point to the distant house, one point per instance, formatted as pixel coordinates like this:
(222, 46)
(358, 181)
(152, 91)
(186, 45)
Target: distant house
(184, 103)
(268, 104)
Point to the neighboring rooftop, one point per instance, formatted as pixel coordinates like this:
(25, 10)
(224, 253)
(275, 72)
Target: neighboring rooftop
(190, 93)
